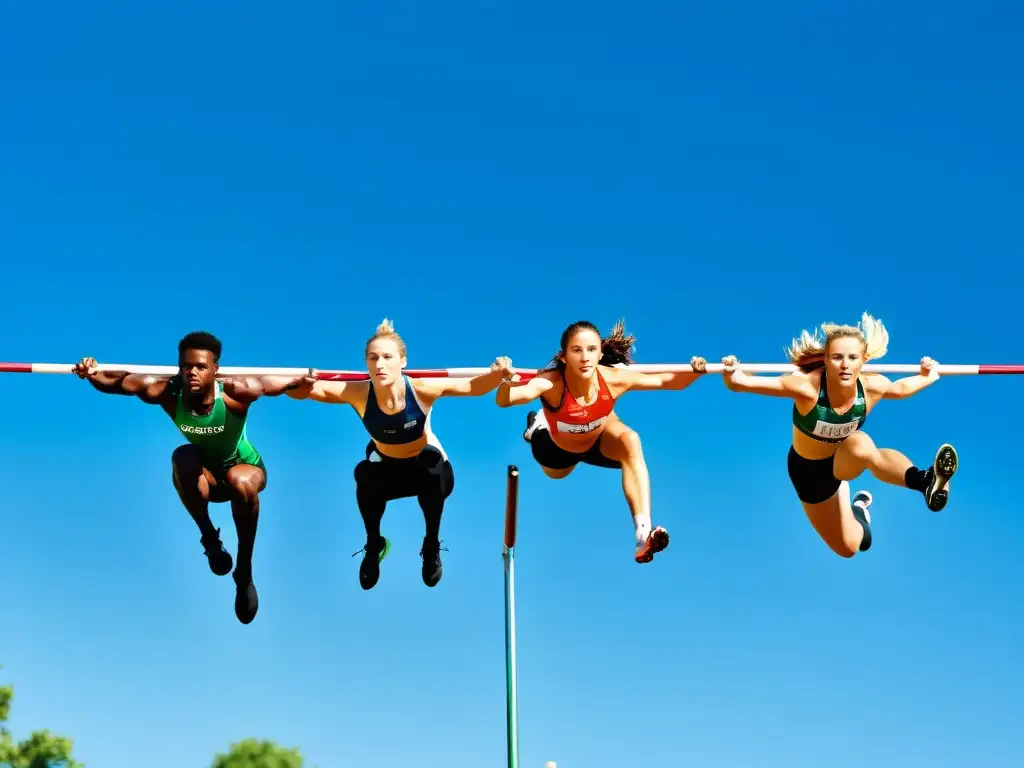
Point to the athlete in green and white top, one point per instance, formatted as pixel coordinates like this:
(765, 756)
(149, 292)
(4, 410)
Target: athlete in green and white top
(831, 401)
(218, 463)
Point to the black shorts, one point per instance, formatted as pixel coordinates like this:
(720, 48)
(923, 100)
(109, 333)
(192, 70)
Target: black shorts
(813, 479)
(549, 455)
(392, 478)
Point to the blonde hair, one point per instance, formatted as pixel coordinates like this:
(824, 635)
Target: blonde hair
(386, 331)
(808, 351)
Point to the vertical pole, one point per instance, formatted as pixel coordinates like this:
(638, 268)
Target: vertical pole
(511, 674)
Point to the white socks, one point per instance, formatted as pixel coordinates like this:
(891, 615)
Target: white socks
(643, 529)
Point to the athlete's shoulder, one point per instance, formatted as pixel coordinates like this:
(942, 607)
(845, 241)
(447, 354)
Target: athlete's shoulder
(875, 383)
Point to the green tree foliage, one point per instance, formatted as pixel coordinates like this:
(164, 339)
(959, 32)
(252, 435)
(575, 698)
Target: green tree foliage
(252, 753)
(40, 750)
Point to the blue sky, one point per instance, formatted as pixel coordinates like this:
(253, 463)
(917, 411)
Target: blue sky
(721, 175)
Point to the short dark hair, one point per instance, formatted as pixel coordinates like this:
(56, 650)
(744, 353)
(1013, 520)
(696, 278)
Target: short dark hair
(200, 340)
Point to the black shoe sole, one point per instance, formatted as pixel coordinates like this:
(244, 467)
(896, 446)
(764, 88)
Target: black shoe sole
(943, 469)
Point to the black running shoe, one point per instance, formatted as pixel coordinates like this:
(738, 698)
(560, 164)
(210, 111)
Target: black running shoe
(942, 470)
(373, 553)
(432, 569)
(218, 557)
(247, 601)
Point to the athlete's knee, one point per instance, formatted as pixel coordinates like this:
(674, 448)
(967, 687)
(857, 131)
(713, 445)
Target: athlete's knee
(859, 446)
(440, 475)
(631, 444)
(557, 474)
(844, 550)
(246, 483)
(186, 461)
(364, 473)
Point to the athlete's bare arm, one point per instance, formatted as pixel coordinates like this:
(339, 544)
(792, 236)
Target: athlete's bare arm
(149, 389)
(518, 392)
(909, 385)
(622, 380)
(795, 386)
(335, 392)
(247, 389)
(431, 389)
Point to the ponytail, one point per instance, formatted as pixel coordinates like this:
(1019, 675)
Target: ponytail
(616, 347)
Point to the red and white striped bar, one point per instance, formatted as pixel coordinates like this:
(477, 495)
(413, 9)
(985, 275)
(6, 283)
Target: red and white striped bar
(524, 373)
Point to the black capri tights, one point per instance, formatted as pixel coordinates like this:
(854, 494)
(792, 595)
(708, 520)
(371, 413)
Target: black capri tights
(428, 476)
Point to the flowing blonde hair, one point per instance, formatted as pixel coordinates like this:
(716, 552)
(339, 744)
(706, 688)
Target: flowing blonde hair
(808, 351)
(386, 331)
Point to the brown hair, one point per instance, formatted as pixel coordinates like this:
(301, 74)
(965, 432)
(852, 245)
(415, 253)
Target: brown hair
(616, 347)
(386, 331)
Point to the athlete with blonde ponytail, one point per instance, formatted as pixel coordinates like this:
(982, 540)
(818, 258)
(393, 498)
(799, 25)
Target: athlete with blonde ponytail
(578, 396)
(831, 401)
(403, 458)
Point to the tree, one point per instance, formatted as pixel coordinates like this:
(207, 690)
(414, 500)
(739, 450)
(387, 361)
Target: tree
(251, 753)
(40, 750)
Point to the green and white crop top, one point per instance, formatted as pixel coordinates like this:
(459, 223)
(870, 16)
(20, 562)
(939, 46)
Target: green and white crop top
(823, 424)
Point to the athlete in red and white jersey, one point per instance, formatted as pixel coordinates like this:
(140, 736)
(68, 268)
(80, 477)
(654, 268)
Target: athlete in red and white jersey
(579, 422)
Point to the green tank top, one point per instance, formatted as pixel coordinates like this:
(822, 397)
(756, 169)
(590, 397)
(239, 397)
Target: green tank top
(824, 424)
(219, 434)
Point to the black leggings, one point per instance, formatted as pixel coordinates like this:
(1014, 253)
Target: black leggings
(379, 479)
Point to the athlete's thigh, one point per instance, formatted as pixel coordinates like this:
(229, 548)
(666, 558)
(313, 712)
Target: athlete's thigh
(833, 520)
(613, 440)
(848, 463)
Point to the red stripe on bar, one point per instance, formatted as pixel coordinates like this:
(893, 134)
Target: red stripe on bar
(15, 367)
(1000, 369)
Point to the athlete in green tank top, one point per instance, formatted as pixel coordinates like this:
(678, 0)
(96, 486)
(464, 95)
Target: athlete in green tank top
(218, 463)
(829, 448)
(219, 435)
(824, 424)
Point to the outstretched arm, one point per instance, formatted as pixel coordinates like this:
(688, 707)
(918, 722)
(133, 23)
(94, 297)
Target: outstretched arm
(149, 389)
(335, 392)
(911, 385)
(514, 392)
(791, 385)
(474, 387)
(246, 389)
(626, 380)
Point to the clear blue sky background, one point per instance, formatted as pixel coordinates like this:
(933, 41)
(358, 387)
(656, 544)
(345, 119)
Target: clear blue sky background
(720, 174)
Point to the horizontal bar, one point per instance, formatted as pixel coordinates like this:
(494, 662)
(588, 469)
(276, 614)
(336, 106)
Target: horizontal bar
(525, 373)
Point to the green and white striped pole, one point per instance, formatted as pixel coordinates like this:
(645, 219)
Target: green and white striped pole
(511, 675)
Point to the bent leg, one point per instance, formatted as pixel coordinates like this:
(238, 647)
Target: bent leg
(378, 481)
(193, 483)
(858, 452)
(245, 482)
(845, 528)
(621, 444)
(436, 482)
(836, 524)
